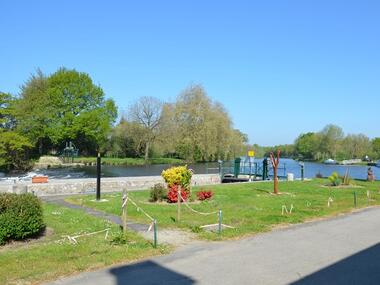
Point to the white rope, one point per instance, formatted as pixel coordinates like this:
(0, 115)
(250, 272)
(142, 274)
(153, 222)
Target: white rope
(213, 225)
(284, 209)
(138, 209)
(329, 201)
(73, 239)
(195, 211)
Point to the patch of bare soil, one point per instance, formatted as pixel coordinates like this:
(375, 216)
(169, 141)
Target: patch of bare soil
(342, 186)
(29, 241)
(171, 236)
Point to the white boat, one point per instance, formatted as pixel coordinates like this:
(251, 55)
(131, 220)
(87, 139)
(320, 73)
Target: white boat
(329, 161)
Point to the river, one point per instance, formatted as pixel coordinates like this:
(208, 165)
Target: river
(292, 166)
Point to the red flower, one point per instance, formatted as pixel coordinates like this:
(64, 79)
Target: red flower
(173, 194)
(204, 195)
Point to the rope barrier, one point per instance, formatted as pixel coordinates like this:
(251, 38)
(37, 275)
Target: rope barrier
(285, 209)
(139, 208)
(329, 201)
(195, 211)
(73, 239)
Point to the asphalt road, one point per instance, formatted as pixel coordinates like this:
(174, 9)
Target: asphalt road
(343, 250)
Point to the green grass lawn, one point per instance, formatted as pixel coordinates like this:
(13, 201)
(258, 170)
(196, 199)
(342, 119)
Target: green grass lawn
(128, 161)
(45, 259)
(249, 207)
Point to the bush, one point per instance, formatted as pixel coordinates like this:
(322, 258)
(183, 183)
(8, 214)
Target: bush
(319, 175)
(158, 193)
(204, 195)
(334, 179)
(179, 175)
(20, 216)
(173, 194)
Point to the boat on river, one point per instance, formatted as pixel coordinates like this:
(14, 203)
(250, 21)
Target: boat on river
(330, 161)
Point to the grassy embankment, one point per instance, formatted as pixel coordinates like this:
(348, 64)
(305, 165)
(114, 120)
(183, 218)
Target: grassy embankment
(128, 161)
(249, 207)
(46, 259)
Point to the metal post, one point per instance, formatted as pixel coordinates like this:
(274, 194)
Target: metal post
(179, 204)
(355, 199)
(302, 171)
(220, 169)
(98, 174)
(250, 169)
(220, 221)
(155, 233)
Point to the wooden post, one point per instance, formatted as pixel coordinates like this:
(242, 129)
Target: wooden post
(179, 203)
(275, 162)
(124, 210)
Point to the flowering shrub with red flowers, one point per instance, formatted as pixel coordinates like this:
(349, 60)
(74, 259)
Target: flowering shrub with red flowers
(204, 195)
(173, 194)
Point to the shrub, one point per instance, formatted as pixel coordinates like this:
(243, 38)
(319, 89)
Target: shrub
(179, 175)
(173, 194)
(158, 193)
(204, 195)
(334, 179)
(319, 175)
(20, 216)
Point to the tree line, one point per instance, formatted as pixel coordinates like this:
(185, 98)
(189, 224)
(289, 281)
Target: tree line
(330, 142)
(51, 110)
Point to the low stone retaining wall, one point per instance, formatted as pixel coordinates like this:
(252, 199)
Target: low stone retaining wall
(88, 185)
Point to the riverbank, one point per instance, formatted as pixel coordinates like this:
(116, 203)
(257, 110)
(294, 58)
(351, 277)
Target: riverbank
(127, 161)
(88, 185)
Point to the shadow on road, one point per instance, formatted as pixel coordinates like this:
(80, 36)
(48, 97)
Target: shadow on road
(148, 272)
(360, 268)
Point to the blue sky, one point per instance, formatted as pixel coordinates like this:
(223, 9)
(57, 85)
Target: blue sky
(280, 68)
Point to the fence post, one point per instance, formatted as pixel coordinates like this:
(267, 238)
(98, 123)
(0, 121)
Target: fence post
(220, 221)
(367, 198)
(124, 211)
(179, 203)
(155, 233)
(355, 199)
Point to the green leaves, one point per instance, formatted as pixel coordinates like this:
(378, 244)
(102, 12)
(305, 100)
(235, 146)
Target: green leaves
(64, 106)
(14, 150)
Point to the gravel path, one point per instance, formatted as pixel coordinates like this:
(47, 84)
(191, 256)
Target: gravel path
(169, 236)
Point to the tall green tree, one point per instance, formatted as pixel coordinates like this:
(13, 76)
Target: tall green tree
(64, 106)
(306, 145)
(14, 150)
(6, 111)
(376, 147)
(34, 111)
(331, 140)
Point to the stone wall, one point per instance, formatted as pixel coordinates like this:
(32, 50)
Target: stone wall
(88, 185)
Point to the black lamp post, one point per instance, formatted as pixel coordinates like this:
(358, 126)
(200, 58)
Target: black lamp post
(98, 174)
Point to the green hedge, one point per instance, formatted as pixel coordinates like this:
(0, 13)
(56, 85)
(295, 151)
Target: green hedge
(20, 216)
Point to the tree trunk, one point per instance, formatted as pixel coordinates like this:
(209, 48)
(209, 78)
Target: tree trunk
(275, 190)
(40, 146)
(146, 151)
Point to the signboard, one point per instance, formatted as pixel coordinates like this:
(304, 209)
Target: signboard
(251, 153)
